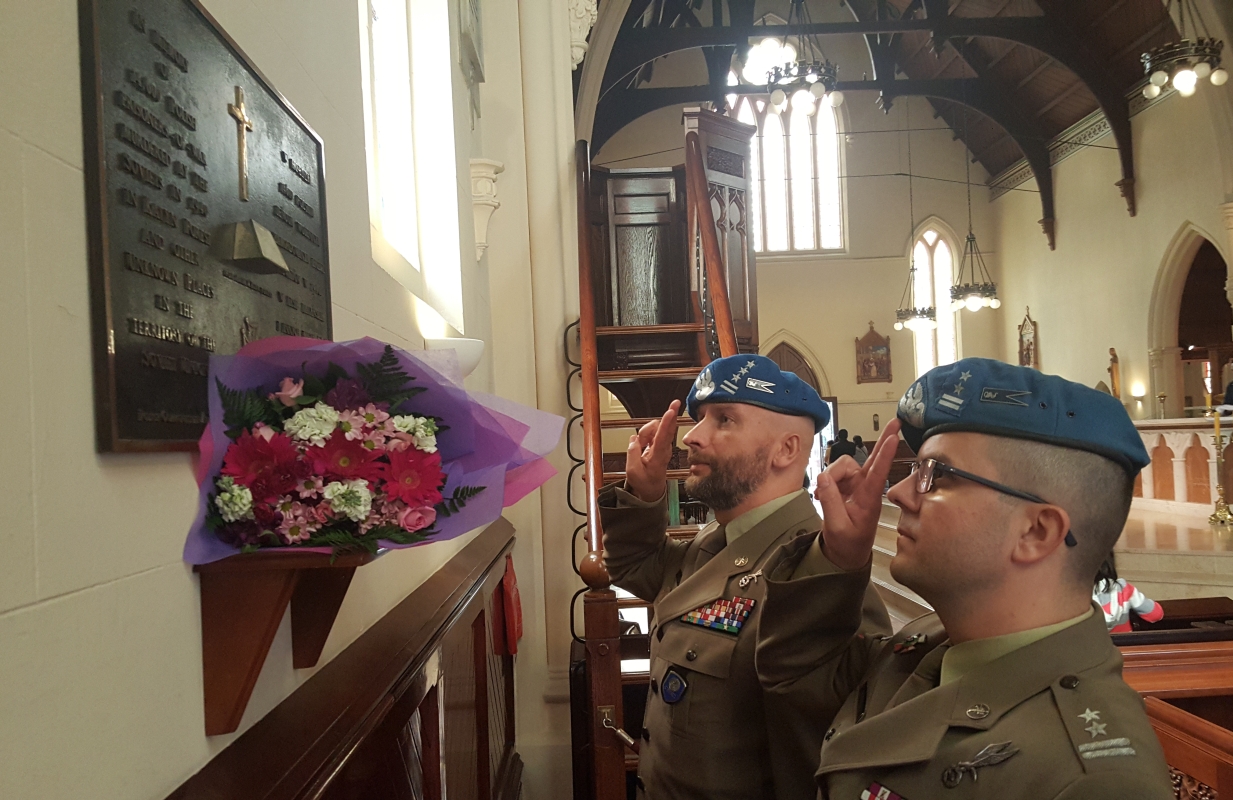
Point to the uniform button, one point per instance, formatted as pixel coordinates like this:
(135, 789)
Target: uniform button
(646, 734)
(654, 686)
(829, 735)
(1069, 681)
(690, 655)
(978, 711)
(740, 562)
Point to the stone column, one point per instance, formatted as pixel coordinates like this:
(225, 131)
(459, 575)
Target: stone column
(1226, 212)
(1149, 488)
(1165, 364)
(1180, 490)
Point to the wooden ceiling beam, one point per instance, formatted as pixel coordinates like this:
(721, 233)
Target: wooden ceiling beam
(1059, 97)
(1034, 74)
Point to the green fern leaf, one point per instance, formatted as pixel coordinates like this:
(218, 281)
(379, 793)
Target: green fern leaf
(244, 408)
(458, 500)
(386, 381)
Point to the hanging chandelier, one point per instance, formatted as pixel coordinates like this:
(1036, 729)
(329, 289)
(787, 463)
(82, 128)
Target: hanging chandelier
(1186, 61)
(799, 74)
(909, 315)
(978, 291)
(973, 288)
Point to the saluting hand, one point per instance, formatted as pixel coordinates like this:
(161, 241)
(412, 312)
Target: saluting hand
(851, 498)
(648, 454)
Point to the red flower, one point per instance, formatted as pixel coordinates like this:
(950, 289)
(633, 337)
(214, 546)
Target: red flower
(415, 477)
(278, 480)
(250, 457)
(346, 459)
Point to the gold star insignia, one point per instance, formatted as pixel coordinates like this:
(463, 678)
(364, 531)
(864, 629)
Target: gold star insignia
(1089, 715)
(1096, 729)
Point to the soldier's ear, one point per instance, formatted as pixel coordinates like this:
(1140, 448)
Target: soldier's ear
(1043, 531)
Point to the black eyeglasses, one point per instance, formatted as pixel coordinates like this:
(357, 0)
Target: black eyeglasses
(926, 470)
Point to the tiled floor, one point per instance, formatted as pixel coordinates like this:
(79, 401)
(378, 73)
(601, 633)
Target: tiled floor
(1174, 555)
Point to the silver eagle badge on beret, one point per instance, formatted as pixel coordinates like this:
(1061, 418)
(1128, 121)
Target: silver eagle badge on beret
(912, 405)
(704, 385)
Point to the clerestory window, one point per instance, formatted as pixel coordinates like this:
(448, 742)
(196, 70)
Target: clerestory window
(797, 196)
(934, 261)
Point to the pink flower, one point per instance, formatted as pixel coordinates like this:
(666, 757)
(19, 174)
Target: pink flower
(288, 391)
(298, 522)
(352, 424)
(397, 442)
(310, 487)
(374, 415)
(414, 519)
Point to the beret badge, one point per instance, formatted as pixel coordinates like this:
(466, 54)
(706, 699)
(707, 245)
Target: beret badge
(704, 385)
(912, 405)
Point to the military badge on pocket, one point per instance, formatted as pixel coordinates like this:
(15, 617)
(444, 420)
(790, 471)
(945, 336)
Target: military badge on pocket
(672, 687)
(877, 791)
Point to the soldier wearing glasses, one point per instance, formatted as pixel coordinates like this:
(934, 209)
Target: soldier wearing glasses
(1012, 689)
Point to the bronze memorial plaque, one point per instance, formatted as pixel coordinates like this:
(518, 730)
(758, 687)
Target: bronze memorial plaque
(206, 204)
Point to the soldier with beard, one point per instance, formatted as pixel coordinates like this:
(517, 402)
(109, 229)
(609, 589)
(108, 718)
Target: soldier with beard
(711, 731)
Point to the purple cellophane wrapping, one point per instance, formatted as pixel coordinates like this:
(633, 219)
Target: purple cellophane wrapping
(491, 441)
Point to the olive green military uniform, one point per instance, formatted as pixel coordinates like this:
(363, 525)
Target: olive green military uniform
(1050, 719)
(721, 738)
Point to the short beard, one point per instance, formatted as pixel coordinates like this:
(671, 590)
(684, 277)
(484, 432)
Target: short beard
(730, 481)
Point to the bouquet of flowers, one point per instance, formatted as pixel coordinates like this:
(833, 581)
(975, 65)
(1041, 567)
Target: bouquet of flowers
(335, 447)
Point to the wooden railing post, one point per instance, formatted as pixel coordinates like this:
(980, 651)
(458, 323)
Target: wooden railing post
(600, 615)
(712, 260)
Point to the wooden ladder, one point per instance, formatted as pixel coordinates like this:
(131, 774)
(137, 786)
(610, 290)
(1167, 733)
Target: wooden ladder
(605, 756)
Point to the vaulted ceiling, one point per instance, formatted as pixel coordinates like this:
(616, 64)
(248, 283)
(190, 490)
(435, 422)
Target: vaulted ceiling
(1024, 70)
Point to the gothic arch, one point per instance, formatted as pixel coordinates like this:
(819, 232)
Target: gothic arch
(785, 337)
(1163, 353)
(603, 37)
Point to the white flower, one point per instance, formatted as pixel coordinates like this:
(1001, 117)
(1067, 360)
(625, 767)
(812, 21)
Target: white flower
(352, 499)
(424, 429)
(313, 424)
(234, 502)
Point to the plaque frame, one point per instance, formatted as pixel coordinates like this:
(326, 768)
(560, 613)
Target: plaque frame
(98, 203)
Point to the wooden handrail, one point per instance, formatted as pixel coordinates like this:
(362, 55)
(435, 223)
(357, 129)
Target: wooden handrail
(592, 567)
(712, 262)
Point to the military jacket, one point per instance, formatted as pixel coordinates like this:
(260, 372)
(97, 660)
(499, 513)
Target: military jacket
(709, 731)
(1053, 719)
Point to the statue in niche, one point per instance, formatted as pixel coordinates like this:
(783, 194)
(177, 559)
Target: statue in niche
(1115, 374)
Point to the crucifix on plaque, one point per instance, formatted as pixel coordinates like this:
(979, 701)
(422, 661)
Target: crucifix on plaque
(242, 126)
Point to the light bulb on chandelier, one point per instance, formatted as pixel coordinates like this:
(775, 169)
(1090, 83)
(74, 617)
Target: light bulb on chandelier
(802, 101)
(1185, 81)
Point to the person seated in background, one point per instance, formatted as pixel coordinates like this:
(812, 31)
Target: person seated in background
(1012, 689)
(859, 452)
(709, 731)
(841, 447)
(1117, 598)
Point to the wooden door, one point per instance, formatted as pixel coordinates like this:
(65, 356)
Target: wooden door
(647, 279)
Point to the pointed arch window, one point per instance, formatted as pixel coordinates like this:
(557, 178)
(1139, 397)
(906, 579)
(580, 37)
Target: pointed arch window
(935, 260)
(797, 194)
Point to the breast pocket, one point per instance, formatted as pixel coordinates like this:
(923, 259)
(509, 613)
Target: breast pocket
(703, 659)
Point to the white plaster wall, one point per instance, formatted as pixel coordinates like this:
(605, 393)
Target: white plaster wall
(1095, 290)
(100, 650)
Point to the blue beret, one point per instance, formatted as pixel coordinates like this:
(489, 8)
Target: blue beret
(987, 396)
(757, 381)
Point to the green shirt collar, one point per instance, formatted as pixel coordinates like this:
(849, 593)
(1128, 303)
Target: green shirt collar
(746, 522)
(960, 659)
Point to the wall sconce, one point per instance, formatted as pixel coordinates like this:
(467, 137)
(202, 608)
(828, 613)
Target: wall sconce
(1138, 391)
(877, 423)
(469, 351)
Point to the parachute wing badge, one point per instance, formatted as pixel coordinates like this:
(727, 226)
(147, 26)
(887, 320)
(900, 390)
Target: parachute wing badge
(704, 385)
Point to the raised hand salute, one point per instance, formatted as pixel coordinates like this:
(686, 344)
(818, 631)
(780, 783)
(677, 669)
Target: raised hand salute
(648, 454)
(851, 498)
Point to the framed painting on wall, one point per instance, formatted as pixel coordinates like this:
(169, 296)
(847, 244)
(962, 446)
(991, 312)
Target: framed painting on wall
(1029, 345)
(873, 359)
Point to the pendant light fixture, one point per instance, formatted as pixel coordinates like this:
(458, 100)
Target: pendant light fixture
(805, 75)
(1186, 61)
(973, 288)
(909, 315)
